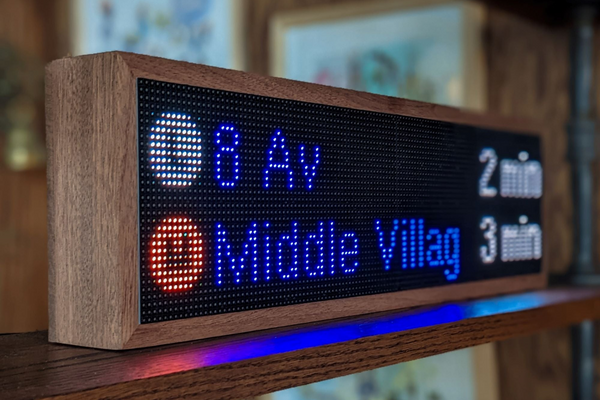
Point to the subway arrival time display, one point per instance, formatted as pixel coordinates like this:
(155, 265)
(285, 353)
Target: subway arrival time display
(187, 202)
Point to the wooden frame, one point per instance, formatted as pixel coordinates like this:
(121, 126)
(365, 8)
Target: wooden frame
(92, 202)
(474, 63)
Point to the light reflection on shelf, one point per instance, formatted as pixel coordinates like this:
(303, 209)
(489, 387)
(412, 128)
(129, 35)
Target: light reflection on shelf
(208, 353)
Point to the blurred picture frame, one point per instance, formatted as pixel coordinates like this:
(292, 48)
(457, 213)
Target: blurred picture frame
(428, 50)
(199, 31)
(467, 374)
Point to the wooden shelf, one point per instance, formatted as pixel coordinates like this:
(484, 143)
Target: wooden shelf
(252, 364)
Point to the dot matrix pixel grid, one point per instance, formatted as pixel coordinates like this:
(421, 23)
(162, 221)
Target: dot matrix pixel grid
(272, 202)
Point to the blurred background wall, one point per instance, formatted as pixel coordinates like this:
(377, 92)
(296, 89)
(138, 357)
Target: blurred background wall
(526, 63)
(30, 36)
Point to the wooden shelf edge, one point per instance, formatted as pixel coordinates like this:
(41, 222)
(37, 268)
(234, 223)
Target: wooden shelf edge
(262, 362)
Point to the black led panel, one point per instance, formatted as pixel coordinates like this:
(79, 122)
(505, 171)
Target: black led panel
(250, 202)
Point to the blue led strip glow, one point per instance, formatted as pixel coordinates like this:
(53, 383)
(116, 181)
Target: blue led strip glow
(175, 150)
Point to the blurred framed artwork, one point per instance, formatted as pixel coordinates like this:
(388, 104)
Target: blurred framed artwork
(199, 31)
(428, 50)
(468, 374)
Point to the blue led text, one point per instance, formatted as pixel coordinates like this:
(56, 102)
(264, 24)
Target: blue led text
(386, 252)
(309, 170)
(278, 160)
(174, 155)
(288, 256)
(420, 247)
(227, 139)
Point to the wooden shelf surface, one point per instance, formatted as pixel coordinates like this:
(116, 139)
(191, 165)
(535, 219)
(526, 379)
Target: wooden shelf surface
(246, 365)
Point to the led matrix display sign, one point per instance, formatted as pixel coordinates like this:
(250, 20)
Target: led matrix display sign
(250, 202)
(187, 202)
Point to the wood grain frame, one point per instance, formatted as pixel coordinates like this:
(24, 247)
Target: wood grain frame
(92, 202)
